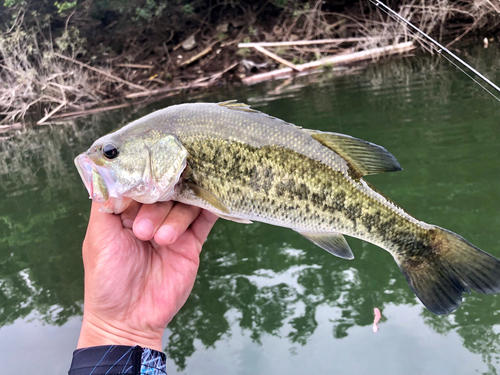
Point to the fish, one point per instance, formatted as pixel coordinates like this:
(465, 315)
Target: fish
(244, 165)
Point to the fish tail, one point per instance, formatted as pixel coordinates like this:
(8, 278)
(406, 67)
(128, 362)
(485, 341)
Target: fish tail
(445, 267)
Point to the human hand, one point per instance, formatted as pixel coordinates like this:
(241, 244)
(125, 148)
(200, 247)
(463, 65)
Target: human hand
(140, 267)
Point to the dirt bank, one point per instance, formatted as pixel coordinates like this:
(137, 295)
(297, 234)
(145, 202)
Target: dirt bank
(68, 59)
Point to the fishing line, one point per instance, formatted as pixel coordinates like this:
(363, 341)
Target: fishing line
(468, 75)
(397, 17)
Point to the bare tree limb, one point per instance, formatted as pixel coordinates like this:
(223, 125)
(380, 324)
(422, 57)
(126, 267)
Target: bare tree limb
(277, 58)
(104, 73)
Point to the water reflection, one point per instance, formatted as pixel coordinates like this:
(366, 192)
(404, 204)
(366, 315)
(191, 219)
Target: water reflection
(269, 281)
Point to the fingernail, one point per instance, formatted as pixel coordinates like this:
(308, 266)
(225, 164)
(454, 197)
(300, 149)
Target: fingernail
(165, 234)
(144, 229)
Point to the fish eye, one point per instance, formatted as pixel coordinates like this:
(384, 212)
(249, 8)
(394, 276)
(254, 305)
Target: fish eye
(110, 151)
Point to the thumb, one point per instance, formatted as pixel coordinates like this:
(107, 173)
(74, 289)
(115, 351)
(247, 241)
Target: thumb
(102, 229)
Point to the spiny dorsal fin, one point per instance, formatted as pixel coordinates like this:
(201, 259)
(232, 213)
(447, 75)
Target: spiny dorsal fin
(334, 243)
(207, 196)
(233, 104)
(363, 157)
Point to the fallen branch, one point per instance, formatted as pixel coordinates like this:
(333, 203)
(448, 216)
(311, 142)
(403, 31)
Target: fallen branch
(277, 58)
(214, 77)
(104, 73)
(136, 66)
(47, 116)
(197, 57)
(153, 92)
(463, 34)
(93, 110)
(6, 128)
(200, 83)
(302, 42)
(335, 60)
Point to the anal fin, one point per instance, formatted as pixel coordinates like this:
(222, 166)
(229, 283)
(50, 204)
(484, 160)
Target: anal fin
(334, 243)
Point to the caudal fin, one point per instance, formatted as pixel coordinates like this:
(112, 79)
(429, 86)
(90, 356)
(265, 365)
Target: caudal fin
(441, 273)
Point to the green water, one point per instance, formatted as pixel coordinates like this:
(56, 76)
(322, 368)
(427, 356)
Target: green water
(267, 301)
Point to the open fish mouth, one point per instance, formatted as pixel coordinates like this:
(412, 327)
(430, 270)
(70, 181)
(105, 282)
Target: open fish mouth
(96, 179)
(101, 185)
(84, 167)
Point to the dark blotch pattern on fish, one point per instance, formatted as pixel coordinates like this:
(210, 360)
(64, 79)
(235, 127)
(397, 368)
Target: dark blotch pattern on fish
(275, 182)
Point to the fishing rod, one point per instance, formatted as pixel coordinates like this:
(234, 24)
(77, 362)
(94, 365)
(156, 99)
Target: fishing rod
(434, 43)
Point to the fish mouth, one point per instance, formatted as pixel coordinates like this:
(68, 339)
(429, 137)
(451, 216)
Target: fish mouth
(100, 185)
(97, 180)
(85, 166)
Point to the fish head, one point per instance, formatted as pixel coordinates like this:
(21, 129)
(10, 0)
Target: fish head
(144, 167)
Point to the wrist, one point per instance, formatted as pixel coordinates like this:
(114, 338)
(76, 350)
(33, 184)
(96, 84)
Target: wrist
(97, 332)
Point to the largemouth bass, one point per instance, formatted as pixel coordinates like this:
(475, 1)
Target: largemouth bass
(244, 165)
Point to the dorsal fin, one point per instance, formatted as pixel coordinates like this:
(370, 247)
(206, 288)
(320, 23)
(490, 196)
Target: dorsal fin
(364, 157)
(233, 104)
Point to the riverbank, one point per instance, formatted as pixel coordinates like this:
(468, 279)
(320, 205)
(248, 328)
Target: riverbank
(66, 59)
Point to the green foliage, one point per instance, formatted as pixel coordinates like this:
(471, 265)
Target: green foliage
(11, 3)
(188, 9)
(281, 3)
(328, 65)
(150, 10)
(71, 42)
(280, 51)
(61, 7)
(244, 52)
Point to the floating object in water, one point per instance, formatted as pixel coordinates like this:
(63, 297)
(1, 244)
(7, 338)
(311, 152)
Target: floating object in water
(377, 314)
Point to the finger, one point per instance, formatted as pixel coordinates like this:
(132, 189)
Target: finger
(128, 216)
(196, 235)
(176, 223)
(101, 222)
(149, 219)
(101, 231)
(203, 224)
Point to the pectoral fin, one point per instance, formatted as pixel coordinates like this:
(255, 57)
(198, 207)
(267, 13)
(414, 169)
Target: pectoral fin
(364, 157)
(207, 196)
(334, 243)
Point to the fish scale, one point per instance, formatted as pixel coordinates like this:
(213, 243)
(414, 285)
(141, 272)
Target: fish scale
(244, 165)
(282, 187)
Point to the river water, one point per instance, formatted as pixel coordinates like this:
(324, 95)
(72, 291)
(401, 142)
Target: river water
(267, 301)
